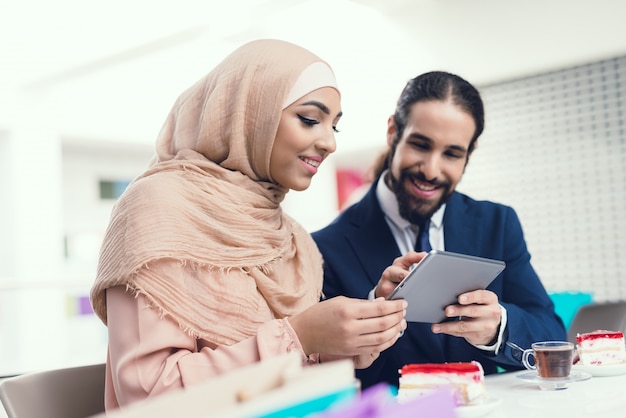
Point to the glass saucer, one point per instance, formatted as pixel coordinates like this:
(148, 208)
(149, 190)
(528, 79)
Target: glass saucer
(557, 383)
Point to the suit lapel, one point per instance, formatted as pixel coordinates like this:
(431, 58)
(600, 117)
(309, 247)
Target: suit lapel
(462, 228)
(462, 231)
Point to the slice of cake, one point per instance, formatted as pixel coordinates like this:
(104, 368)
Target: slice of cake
(467, 380)
(601, 347)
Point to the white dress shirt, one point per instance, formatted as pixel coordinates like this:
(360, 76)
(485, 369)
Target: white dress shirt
(405, 235)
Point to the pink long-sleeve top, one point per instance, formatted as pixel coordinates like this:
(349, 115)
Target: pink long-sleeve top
(149, 355)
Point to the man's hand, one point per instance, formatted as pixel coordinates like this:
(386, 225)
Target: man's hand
(480, 315)
(396, 272)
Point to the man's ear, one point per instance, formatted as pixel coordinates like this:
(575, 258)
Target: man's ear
(391, 130)
(474, 146)
(469, 154)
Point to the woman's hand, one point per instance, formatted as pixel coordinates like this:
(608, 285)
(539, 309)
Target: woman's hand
(345, 327)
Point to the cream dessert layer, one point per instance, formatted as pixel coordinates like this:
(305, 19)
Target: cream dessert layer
(466, 379)
(601, 347)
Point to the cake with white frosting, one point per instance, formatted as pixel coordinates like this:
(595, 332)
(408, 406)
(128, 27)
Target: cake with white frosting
(465, 379)
(601, 347)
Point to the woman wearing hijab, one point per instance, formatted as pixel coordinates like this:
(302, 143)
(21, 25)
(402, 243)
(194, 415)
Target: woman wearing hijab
(200, 270)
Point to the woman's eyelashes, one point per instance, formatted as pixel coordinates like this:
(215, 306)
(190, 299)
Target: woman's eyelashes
(308, 121)
(312, 122)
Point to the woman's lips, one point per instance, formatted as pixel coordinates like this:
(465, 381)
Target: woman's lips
(311, 163)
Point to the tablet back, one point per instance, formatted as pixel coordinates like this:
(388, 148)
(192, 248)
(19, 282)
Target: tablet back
(439, 279)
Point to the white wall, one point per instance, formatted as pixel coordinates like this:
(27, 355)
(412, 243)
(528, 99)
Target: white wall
(33, 198)
(7, 252)
(85, 215)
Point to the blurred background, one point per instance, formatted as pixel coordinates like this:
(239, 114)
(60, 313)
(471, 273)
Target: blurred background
(85, 87)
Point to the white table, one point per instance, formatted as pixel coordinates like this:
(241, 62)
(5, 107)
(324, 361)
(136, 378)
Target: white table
(598, 397)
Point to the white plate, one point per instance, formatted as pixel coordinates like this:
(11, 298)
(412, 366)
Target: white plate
(606, 370)
(554, 384)
(478, 410)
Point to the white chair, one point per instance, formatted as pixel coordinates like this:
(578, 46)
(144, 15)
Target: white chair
(75, 392)
(609, 316)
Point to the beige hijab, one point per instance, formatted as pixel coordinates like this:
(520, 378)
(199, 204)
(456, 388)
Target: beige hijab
(208, 204)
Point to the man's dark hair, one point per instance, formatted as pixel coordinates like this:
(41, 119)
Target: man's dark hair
(436, 85)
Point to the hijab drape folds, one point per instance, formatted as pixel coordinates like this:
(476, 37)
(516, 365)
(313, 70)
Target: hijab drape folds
(208, 204)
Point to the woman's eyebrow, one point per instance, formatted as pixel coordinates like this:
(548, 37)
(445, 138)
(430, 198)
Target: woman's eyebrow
(321, 106)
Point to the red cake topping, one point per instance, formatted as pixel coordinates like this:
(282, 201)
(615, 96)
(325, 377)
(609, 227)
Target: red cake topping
(440, 368)
(600, 333)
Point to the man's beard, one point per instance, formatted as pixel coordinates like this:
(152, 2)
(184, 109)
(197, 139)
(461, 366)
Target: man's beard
(415, 210)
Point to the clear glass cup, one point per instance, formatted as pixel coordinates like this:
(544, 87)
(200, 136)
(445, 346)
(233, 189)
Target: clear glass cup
(552, 359)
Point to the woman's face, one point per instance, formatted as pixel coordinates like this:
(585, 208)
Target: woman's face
(305, 137)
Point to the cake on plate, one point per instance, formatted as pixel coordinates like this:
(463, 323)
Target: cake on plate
(466, 379)
(601, 347)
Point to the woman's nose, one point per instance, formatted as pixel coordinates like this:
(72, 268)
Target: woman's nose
(328, 143)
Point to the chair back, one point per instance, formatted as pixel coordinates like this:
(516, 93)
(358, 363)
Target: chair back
(609, 316)
(75, 392)
(567, 303)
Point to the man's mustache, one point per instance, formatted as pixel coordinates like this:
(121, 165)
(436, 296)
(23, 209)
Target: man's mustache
(422, 178)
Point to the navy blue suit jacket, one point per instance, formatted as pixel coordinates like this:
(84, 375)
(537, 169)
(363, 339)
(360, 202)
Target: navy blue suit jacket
(358, 246)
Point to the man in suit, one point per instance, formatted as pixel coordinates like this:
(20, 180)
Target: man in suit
(431, 136)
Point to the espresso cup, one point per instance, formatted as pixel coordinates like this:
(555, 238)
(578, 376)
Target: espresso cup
(553, 359)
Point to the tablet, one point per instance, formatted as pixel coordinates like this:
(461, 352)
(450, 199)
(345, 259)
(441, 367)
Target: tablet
(438, 279)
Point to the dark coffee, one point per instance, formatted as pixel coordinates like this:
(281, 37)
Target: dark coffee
(553, 362)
